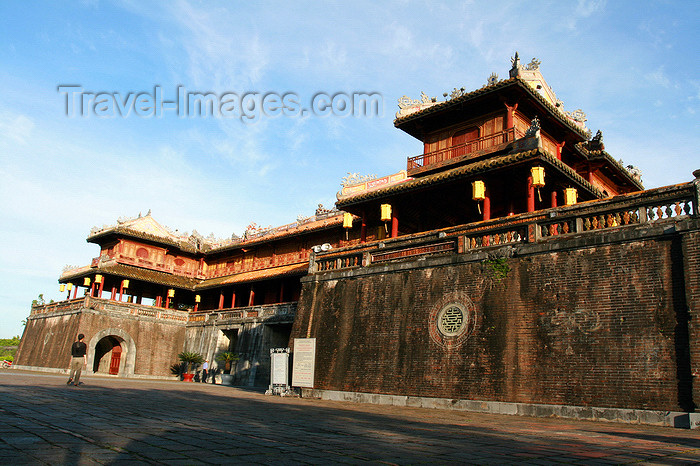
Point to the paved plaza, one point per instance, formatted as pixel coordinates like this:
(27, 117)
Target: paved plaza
(118, 421)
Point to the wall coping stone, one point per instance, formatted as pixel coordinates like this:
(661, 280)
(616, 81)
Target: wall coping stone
(585, 413)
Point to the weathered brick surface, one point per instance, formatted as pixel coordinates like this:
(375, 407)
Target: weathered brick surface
(47, 340)
(595, 326)
(691, 254)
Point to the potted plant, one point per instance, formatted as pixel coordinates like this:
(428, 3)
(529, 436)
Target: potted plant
(190, 358)
(227, 358)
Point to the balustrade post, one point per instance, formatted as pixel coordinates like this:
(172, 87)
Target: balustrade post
(642, 211)
(578, 225)
(696, 193)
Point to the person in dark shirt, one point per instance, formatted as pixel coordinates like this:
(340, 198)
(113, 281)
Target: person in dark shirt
(78, 360)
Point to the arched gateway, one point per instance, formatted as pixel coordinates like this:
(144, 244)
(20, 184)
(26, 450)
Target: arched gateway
(112, 351)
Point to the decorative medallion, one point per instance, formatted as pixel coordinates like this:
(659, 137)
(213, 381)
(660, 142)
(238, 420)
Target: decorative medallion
(452, 320)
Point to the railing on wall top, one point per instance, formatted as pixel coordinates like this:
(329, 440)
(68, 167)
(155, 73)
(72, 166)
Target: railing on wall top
(262, 311)
(647, 207)
(133, 309)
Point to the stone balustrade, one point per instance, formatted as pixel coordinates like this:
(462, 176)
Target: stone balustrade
(655, 206)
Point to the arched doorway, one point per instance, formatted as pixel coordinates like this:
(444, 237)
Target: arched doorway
(108, 355)
(101, 351)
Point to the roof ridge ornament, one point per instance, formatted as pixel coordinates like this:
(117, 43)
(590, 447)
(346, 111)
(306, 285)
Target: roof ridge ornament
(407, 106)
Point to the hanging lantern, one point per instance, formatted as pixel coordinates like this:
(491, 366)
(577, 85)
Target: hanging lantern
(478, 190)
(197, 298)
(347, 223)
(478, 193)
(86, 281)
(62, 288)
(537, 176)
(570, 196)
(69, 287)
(125, 283)
(386, 212)
(171, 293)
(98, 278)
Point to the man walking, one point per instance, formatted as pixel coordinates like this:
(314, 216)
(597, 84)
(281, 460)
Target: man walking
(78, 359)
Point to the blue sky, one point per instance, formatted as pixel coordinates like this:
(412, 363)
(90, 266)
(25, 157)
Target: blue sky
(630, 65)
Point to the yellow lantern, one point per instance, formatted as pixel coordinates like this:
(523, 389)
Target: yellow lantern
(62, 288)
(386, 212)
(537, 176)
(347, 220)
(98, 278)
(171, 293)
(69, 287)
(125, 283)
(570, 196)
(86, 281)
(197, 298)
(478, 190)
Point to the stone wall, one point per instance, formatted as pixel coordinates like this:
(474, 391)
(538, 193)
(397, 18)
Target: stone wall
(150, 339)
(596, 319)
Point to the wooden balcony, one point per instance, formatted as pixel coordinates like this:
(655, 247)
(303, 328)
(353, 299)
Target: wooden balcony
(461, 152)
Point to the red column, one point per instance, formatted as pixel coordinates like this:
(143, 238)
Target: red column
(159, 300)
(363, 229)
(233, 300)
(560, 146)
(509, 116)
(75, 291)
(121, 290)
(554, 198)
(92, 288)
(167, 302)
(251, 299)
(530, 195)
(102, 284)
(114, 293)
(394, 223)
(221, 299)
(487, 206)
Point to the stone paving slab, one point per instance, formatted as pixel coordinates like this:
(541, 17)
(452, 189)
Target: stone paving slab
(120, 421)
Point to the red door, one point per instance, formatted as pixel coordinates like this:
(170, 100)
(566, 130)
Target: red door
(116, 357)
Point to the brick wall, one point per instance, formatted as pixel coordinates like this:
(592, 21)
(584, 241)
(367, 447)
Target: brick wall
(47, 340)
(595, 324)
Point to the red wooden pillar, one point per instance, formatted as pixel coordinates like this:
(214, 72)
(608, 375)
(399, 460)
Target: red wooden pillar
(221, 299)
(102, 284)
(363, 228)
(159, 301)
(92, 288)
(167, 302)
(251, 299)
(75, 291)
(233, 299)
(560, 146)
(510, 115)
(114, 293)
(138, 299)
(121, 290)
(530, 195)
(394, 223)
(554, 198)
(487, 206)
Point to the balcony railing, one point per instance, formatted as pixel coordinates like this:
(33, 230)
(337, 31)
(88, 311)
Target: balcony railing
(132, 309)
(470, 148)
(277, 312)
(650, 207)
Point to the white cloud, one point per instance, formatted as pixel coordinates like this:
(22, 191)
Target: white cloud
(16, 127)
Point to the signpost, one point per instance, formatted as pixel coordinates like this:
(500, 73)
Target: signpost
(279, 370)
(304, 362)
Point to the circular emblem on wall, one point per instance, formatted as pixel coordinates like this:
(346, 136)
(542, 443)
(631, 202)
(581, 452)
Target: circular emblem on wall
(452, 320)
